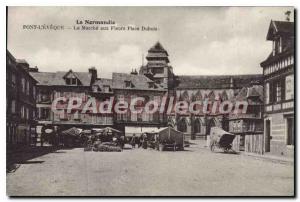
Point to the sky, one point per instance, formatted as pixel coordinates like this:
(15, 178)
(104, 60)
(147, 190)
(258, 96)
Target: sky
(199, 40)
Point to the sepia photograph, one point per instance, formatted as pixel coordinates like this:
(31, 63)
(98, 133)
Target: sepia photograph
(150, 101)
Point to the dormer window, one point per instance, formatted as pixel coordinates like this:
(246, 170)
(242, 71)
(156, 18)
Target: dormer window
(151, 84)
(277, 46)
(95, 88)
(106, 88)
(71, 79)
(128, 84)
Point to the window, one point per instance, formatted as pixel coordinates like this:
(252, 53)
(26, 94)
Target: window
(278, 92)
(23, 85)
(13, 106)
(33, 114)
(63, 116)
(285, 62)
(289, 87)
(13, 80)
(34, 92)
(27, 87)
(290, 131)
(77, 116)
(133, 116)
(150, 84)
(27, 113)
(106, 89)
(45, 113)
(72, 81)
(182, 126)
(95, 88)
(158, 70)
(127, 84)
(280, 45)
(22, 112)
(267, 92)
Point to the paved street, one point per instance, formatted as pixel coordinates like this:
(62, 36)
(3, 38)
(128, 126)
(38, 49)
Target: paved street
(196, 171)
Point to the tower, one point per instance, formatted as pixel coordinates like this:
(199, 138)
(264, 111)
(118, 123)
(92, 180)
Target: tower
(157, 67)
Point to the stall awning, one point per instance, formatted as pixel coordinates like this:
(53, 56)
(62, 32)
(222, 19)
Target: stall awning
(130, 130)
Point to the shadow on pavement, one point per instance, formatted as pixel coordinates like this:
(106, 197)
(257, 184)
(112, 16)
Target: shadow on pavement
(230, 152)
(33, 162)
(14, 158)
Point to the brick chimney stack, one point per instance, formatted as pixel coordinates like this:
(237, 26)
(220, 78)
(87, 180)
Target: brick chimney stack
(93, 72)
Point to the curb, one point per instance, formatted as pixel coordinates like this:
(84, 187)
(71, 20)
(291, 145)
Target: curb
(271, 158)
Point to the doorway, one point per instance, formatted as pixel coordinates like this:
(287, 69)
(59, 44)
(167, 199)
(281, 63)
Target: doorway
(290, 131)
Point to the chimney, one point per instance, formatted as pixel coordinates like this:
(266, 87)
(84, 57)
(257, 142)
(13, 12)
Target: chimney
(34, 69)
(93, 72)
(287, 13)
(134, 72)
(23, 64)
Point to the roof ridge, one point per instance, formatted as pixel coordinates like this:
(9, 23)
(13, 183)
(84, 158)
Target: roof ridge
(226, 75)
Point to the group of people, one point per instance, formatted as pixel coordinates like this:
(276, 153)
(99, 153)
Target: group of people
(96, 140)
(141, 141)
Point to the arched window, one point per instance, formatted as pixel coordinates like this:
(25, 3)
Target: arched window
(197, 126)
(224, 96)
(211, 123)
(182, 126)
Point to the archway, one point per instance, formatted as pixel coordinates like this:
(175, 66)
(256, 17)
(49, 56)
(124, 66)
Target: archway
(211, 123)
(197, 126)
(182, 126)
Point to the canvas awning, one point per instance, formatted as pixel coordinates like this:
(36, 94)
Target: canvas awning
(72, 131)
(130, 130)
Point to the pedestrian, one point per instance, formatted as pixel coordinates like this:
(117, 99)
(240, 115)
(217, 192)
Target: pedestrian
(122, 142)
(133, 141)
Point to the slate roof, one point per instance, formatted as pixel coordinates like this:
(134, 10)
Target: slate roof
(57, 78)
(218, 82)
(158, 48)
(103, 82)
(253, 94)
(139, 82)
(284, 28)
(21, 61)
(281, 27)
(157, 51)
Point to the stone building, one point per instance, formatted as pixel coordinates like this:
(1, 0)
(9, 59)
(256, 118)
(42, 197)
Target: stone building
(213, 89)
(126, 88)
(278, 71)
(20, 102)
(69, 85)
(248, 127)
(194, 88)
(158, 68)
(153, 82)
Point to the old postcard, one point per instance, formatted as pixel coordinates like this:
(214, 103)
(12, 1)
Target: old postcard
(150, 101)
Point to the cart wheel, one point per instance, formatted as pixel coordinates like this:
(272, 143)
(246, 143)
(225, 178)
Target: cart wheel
(212, 147)
(161, 147)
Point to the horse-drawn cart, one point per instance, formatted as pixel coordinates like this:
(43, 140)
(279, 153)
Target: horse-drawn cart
(167, 138)
(219, 138)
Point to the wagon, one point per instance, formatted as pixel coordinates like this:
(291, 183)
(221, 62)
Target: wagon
(168, 138)
(221, 139)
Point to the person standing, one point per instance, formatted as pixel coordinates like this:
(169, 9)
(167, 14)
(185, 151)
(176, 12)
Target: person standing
(133, 141)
